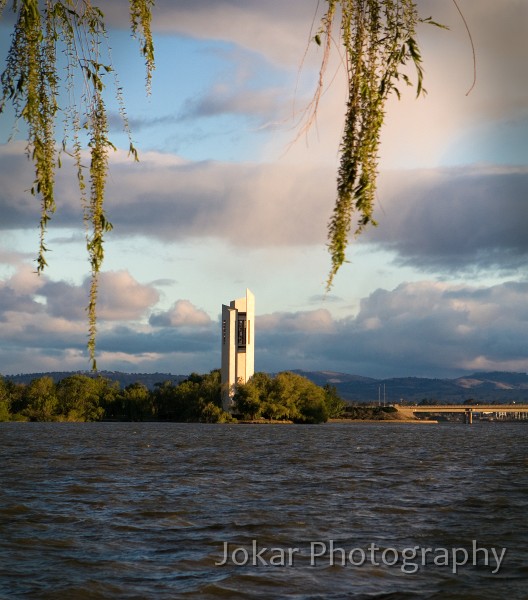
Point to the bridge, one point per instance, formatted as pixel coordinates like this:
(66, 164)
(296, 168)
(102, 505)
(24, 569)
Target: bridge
(467, 409)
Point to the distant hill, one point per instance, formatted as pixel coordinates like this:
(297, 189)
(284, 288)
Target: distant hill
(494, 380)
(124, 379)
(494, 386)
(502, 387)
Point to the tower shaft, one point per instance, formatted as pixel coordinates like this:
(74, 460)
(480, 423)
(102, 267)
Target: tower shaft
(238, 345)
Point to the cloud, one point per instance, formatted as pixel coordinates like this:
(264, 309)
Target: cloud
(178, 350)
(182, 314)
(120, 298)
(318, 320)
(280, 32)
(223, 99)
(171, 199)
(39, 315)
(29, 329)
(21, 210)
(16, 173)
(459, 219)
(275, 28)
(44, 326)
(319, 298)
(44, 323)
(13, 301)
(161, 341)
(9, 257)
(115, 121)
(165, 282)
(20, 359)
(445, 220)
(244, 204)
(423, 328)
(452, 327)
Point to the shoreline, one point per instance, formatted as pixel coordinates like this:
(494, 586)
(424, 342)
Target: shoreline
(419, 421)
(348, 421)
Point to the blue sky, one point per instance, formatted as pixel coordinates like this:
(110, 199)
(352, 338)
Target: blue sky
(226, 197)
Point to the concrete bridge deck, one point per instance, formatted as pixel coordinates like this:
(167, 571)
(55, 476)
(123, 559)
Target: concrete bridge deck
(467, 409)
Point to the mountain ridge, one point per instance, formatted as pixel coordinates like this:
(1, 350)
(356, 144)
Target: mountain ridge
(488, 386)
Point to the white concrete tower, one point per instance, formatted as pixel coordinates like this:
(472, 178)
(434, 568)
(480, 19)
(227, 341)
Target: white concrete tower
(238, 345)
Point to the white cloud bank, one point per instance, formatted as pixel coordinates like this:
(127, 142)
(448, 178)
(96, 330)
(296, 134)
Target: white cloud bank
(440, 220)
(421, 328)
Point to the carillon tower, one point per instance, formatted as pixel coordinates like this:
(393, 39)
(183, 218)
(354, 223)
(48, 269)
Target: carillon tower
(238, 345)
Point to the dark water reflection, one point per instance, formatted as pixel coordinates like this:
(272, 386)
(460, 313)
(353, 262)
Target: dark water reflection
(142, 510)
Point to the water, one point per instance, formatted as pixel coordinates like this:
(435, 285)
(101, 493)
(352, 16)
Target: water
(143, 510)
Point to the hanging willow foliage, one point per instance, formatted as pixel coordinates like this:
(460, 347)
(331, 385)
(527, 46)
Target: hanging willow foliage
(32, 84)
(379, 40)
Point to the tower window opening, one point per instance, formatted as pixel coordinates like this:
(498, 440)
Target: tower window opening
(241, 330)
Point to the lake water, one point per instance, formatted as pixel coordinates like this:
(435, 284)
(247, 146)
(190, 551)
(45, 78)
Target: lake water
(145, 510)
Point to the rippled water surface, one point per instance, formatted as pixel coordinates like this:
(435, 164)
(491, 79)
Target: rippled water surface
(145, 510)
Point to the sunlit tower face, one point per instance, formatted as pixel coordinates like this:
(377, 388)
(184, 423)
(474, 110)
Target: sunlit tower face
(238, 343)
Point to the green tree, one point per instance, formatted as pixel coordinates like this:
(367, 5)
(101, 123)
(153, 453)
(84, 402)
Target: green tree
(41, 400)
(247, 402)
(178, 402)
(310, 401)
(79, 398)
(312, 408)
(212, 413)
(136, 402)
(210, 388)
(5, 401)
(107, 392)
(280, 403)
(262, 382)
(16, 393)
(334, 404)
(187, 401)
(287, 396)
(191, 400)
(162, 398)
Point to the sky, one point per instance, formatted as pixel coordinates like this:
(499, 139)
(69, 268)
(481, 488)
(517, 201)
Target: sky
(230, 193)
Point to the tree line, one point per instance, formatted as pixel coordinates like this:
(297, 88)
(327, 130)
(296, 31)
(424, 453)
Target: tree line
(284, 397)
